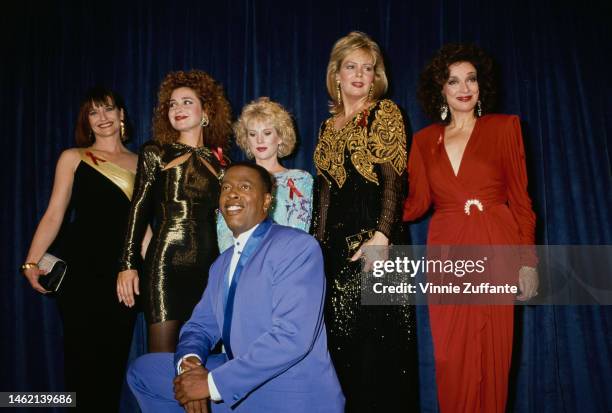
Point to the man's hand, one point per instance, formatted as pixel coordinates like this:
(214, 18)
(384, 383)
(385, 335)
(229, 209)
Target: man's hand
(191, 386)
(197, 406)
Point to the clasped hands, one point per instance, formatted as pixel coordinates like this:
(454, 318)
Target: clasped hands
(191, 386)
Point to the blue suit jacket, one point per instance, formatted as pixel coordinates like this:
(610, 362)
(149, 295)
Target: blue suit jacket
(278, 338)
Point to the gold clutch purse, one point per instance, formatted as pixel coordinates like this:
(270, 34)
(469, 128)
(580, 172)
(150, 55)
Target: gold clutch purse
(353, 242)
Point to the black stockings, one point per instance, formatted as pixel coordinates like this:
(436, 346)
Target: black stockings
(163, 336)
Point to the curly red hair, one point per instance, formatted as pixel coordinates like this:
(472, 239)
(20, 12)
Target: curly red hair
(213, 100)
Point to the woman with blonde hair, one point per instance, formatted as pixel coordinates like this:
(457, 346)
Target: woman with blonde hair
(265, 131)
(361, 161)
(177, 191)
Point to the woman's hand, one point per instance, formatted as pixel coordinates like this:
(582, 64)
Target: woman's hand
(127, 286)
(528, 283)
(33, 274)
(370, 255)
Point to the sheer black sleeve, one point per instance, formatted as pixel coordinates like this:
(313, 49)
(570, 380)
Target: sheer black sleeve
(149, 162)
(387, 143)
(391, 201)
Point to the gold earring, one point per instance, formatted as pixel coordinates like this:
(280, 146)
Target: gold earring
(122, 131)
(338, 94)
(204, 122)
(371, 92)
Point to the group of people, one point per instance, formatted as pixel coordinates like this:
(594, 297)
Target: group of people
(258, 317)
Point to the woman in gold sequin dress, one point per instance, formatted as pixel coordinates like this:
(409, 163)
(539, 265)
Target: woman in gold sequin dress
(360, 160)
(177, 191)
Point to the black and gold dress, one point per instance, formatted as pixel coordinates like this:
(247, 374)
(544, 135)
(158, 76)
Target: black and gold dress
(179, 200)
(97, 328)
(361, 184)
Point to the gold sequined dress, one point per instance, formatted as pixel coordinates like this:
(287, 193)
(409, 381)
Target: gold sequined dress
(361, 186)
(179, 200)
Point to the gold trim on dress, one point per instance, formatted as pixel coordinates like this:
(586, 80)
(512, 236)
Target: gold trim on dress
(381, 142)
(121, 177)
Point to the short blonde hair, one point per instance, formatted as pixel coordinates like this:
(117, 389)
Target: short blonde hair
(265, 110)
(342, 48)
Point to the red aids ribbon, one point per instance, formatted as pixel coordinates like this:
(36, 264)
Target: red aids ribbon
(218, 152)
(94, 158)
(293, 189)
(363, 118)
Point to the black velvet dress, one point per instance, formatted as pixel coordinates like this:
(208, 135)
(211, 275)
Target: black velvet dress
(179, 200)
(361, 184)
(97, 328)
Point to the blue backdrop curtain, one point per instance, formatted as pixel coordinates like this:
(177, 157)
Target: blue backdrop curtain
(555, 66)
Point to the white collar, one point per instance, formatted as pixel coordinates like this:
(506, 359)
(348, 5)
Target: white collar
(241, 240)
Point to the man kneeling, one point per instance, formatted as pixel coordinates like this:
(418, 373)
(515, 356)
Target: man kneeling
(264, 301)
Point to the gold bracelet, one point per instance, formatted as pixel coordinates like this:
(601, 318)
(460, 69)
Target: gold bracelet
(27, 266)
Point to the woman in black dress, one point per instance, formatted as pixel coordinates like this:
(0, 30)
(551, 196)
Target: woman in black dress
(361, 162)
(95, 180)
(177, 192)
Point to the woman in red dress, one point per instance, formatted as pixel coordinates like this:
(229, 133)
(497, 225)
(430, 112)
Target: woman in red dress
(471, 166)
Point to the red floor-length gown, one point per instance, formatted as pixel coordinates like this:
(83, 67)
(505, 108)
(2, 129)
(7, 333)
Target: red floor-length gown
(472, 344)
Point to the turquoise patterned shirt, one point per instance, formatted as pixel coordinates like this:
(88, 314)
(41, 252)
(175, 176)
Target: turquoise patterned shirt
(292, 205)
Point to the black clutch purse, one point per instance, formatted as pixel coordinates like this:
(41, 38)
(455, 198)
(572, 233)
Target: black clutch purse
(56, 270)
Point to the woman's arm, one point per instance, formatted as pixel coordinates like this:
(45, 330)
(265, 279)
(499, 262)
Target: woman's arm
(519, 202)
(515, 172)
(419, 193)
(388, 137)
(138, 223)
(388, 134)
(141, 207)
(53, 217)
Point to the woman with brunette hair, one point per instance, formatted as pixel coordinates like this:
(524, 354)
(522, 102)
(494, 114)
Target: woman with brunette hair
(95, 180)
(470, 165)
(361, 163)
(177, 191)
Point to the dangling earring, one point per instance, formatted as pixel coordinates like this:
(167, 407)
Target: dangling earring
(371, 92)
(122, 131)
(443, 111)
(338, 94)
(479, 108)
(204, 121)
